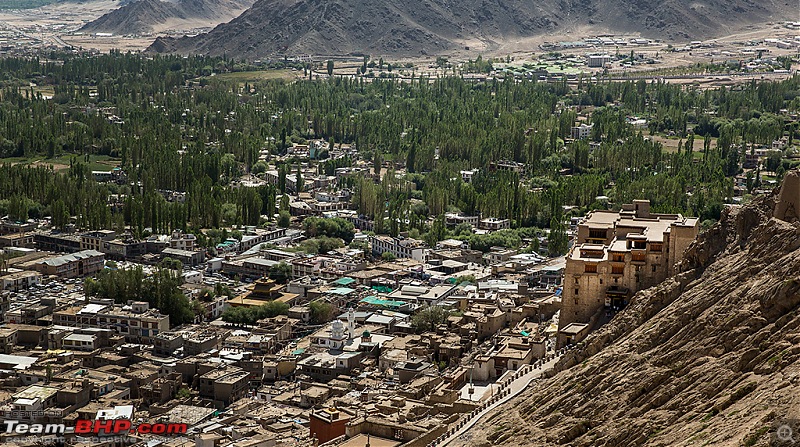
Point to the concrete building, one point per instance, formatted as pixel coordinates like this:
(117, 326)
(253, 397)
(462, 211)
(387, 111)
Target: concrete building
(17, 281)
(93, 240)
(598, 60)
(399, 247)
(182, 241)
(453, 219)
(581, 131)
(617, 254)
(327, 424)
(82, 263)
(494, 224)
(137, 322)
(190, 258)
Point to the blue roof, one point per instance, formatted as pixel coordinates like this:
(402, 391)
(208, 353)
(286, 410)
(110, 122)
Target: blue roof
(344, 281)
(341, 291)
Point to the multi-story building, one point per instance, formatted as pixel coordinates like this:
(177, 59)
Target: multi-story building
(494, 224)
(224, 385)
(17, 240)
(399, 247)
(582, 131)
(58, 242)
(17, 281)
(94, 240)
(123, 249)
(82, 263)
(453, 219)
(137, 322)
(468, 175)
(187, 257)
(619, 253)
(327, 424)
(182, 241)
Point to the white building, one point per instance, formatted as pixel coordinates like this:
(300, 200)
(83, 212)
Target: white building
(582, 131)
(399, 247)
(598, 60)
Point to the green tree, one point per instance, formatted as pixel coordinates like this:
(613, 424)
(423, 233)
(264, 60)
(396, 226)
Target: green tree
(330, 67)
(284, 219)
(321, 312)
(281, 272)
(427, 319)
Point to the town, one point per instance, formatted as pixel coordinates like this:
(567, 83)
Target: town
(385, 341)
(339, 262)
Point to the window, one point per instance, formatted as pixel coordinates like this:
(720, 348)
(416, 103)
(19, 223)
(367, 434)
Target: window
(576, 291)
(617, 269)
(656, 247)
(597, 234)
(654, 268)
(576, 280)
(590, 268)
(618, 257)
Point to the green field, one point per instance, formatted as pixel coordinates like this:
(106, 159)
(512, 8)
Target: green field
(96, 162)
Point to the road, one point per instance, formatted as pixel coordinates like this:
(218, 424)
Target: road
(516, 387)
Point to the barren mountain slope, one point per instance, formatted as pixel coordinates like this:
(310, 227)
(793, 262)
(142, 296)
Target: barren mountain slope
(146, 16)
(710, 357)
(418, 27)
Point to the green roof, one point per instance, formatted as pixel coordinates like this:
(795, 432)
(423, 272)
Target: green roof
(344, 281)
(382, 289)
(341, 291)
(381, 302)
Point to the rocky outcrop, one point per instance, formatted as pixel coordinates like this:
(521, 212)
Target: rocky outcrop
(709, 357)
(788, 206)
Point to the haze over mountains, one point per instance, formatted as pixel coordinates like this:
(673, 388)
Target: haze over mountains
(710, 357)
(424, 27)
(147, 16)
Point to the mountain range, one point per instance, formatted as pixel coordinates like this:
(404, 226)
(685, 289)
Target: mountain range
(425, 27)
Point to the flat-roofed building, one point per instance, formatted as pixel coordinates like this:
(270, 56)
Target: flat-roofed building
(618, 253)
(399, 247)
(20, 280)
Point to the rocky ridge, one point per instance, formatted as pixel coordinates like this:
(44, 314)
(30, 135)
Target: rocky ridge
(147, 16)
(429, 27)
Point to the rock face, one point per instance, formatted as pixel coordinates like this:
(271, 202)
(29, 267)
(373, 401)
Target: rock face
(709, 357)
(147, 16)
(426, 27)
(788, 206)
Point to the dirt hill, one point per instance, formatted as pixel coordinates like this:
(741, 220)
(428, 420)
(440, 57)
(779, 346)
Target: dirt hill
(424, 27)
(147, 16)
(710, 357)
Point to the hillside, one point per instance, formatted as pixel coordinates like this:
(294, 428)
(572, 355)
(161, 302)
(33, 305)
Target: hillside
(147, 16)
(420, 27)
(710, 357)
